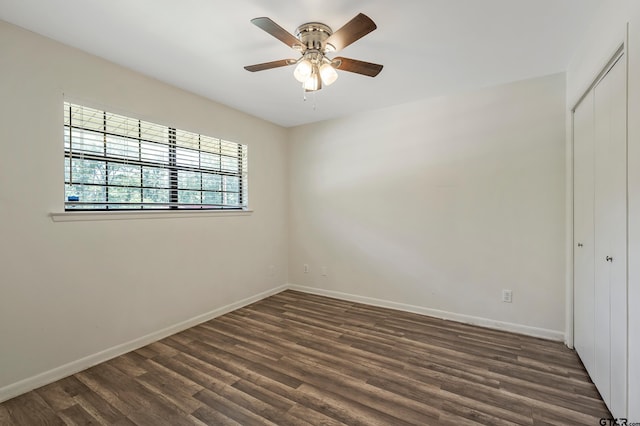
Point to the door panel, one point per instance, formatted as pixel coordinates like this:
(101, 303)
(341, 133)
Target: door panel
(610, 220)
(617, 231)
(602, 335)
(583, 248)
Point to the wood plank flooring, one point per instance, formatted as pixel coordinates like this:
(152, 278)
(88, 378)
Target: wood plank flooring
(301, 359)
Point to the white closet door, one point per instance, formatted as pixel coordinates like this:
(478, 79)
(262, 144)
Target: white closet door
(610, 219)
(583, 272)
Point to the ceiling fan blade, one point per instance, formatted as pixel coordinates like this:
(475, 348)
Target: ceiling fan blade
(359, 67)
(278, 32)
(269, 65)
(352, 31)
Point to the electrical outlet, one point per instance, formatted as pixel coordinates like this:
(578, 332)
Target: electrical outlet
(323, 271)
(507, 296)
(306, 268)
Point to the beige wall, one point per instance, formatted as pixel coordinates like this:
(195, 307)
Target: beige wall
(439, 204)
(71, 290)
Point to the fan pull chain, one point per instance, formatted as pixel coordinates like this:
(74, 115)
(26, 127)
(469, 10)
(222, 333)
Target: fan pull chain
(304, 97)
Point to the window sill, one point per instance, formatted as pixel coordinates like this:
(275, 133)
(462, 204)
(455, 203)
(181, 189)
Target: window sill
(150, 214)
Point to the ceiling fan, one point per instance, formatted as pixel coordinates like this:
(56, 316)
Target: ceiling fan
(314, 40)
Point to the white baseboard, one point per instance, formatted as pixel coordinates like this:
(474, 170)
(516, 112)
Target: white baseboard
(467, 319)
(30, 383)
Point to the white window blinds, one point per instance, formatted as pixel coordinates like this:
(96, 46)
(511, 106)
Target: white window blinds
(116, 162)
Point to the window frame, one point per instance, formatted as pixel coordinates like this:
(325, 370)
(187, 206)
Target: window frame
(171, 165)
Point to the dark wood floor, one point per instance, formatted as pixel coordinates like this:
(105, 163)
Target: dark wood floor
(296, 359)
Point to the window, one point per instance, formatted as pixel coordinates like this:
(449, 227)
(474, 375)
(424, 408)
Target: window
(114, 162)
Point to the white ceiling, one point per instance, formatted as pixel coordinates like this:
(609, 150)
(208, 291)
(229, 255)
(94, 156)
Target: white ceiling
(428, 47)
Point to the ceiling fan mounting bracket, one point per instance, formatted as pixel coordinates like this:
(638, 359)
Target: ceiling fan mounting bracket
(314, 36)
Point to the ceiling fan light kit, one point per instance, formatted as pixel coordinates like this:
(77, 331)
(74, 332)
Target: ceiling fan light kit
(314, 40)
(313, 70)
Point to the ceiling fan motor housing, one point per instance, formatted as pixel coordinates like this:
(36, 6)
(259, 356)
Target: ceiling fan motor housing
(314, 36)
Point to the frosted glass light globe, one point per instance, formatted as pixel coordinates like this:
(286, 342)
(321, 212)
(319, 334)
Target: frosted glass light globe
(313, 83)
(303, 71)
(328, 74)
